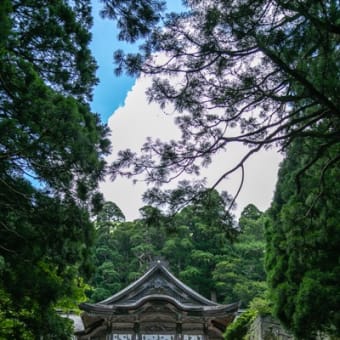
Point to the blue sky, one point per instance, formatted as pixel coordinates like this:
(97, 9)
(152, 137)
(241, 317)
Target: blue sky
(111, 91)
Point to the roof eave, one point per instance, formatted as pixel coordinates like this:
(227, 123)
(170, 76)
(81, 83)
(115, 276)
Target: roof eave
(100, 308)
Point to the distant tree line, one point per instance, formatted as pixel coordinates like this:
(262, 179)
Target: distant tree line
(194, 242)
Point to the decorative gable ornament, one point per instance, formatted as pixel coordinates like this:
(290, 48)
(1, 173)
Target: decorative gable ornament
(157, 306)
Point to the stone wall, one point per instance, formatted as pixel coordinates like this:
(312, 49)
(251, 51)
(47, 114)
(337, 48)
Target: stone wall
(266, 328)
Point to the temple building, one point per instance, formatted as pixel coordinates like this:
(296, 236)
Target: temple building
(157, 306)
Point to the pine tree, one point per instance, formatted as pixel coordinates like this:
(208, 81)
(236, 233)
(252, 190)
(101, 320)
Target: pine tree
(303, 236)
(51, 158)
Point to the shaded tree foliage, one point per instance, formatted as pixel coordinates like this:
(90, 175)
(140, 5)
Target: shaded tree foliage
(201, 235)
(242, 328)
(123, 250)
(195, 243)
(303, 236)
(135, 19)
(260, 73)
(109, 214)
(51, 158)
(240, 273)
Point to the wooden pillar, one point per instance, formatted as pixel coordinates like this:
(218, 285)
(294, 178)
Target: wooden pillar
(136, 331)
(178, 330)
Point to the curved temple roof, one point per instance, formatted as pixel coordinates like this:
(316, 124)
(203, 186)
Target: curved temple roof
(158, 284)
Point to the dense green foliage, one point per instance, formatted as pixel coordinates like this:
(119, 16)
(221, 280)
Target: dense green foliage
(196, 244)
(240, 329)
(241, 274)
(123, 250)
(51, 158)
(303, 243)
(199, 242)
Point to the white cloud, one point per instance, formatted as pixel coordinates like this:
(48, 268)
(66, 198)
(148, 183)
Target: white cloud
(138, 119)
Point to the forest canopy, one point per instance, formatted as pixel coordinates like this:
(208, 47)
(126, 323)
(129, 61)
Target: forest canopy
(195, 243)
(52, 151)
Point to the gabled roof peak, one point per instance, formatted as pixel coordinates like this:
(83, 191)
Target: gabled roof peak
(158, 280)
(156, 297)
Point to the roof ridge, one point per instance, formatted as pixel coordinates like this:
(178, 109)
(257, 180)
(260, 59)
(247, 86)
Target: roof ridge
(158, 265)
